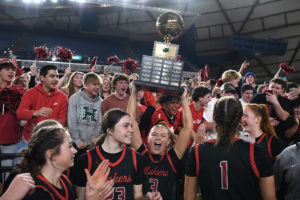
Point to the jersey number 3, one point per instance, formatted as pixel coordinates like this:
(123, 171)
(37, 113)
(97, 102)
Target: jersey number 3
(224, 174)
(154, 184)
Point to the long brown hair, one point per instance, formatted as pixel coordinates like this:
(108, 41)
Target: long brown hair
(261, 110)
(44, 138)
(70, 84)
(228, 112)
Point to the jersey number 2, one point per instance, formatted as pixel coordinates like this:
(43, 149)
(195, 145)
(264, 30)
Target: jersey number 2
(154, 184)
(224, 174)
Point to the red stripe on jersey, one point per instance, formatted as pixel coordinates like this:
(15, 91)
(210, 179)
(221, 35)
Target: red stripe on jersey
(66, 178)
(68, 172)
(88, 153)
(252, 160)
(45, 189)
(54, 190)
(269, 147)
(197, 159)
(115, 163)
(151, 158)
(211, 141)
(262, 137)
(134, 159)
(144, 152)
(171, 163)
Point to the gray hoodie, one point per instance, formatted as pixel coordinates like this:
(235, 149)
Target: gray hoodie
(84, 117)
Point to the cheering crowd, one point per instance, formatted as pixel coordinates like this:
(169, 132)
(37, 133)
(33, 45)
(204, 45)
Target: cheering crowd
(99, 136)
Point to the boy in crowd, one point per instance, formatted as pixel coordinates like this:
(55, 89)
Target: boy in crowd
(84, 112)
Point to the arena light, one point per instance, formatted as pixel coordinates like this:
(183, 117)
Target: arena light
(26, 1)
(81, 1)
(54, 1)
(37, 1)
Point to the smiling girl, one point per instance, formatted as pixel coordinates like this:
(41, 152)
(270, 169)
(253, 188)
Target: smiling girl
(125, 163)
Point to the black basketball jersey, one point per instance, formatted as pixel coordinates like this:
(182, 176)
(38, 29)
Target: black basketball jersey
(125, 170)
(160, 172)
(229, 172)
(272, 145)
(46, 191)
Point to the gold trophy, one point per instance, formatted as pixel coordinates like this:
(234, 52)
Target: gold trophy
(162, 72)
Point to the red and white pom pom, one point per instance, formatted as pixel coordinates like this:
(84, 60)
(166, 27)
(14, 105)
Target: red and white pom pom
(41, 52)
(130, 65)
(113, 60)
(286, 68)
(64, 53)
(93, 62)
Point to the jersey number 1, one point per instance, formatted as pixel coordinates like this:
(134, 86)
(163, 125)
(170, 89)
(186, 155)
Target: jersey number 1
(224, 174)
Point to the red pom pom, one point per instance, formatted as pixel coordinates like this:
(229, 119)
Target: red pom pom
(130, 65)
(93, 62)
(11, 97)
(179, 57)
(219, 82)
(41, 52)
(19, 72)
(286, 68)
(64, 53)
(113, 60)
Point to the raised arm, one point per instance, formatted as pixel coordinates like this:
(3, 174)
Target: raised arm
(185, 133)
(131, 108)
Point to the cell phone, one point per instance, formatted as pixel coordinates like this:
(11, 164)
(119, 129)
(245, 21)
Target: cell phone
(270, 91)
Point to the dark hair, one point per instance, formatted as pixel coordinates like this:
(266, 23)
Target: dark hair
(281, 82)
(296, 102)
(246, 87)
(166, 98)
(47, 122)
(33, 158)
(212, 82)
(8, 65)
(291, 85)
(200, 91)
(228, 112)
(119, 77)
(109, 120)
(44, 70)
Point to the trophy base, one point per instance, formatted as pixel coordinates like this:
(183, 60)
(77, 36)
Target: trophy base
(159, 88)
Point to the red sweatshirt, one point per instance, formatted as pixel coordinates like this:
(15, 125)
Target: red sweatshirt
(36, 98)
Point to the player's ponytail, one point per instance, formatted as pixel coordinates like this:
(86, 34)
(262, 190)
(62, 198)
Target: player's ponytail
(228, 112)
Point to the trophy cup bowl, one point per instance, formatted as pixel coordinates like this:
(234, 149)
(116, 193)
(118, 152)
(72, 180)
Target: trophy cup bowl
(169, 26)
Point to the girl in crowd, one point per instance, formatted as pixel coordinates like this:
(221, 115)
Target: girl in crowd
(229, 167)
(256, 121)
(49, 154)
(125, 163)
(74, 84)
(106, 88)
(162, 163)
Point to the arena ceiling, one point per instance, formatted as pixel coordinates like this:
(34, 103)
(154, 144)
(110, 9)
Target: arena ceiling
(214, 22)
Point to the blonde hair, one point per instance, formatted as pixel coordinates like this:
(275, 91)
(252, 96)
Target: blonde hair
(230, 75)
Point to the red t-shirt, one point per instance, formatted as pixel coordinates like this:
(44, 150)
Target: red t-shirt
(159, 115)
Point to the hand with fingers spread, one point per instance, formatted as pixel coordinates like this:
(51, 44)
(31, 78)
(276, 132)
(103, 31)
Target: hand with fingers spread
(43, 112)
(22, 185)
(97, 186)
